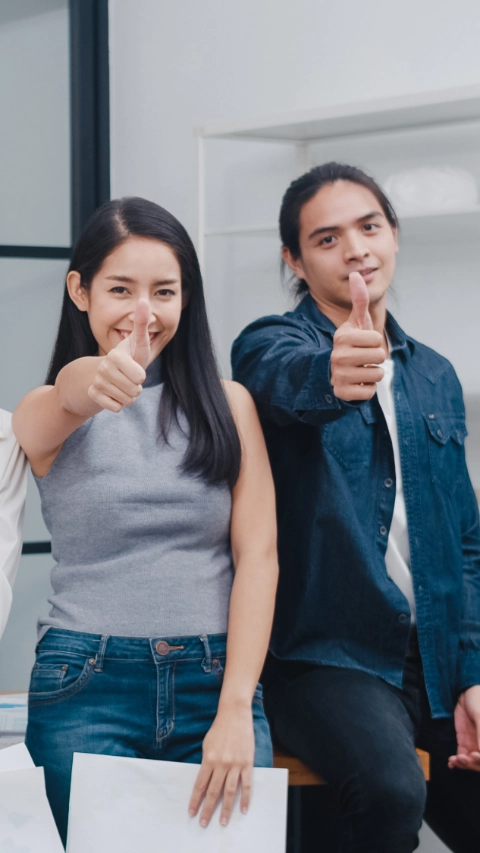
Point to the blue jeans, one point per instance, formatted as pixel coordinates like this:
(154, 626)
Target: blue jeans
(140, 698)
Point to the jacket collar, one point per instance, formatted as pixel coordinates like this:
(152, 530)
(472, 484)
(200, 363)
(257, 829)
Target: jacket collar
(399, 341)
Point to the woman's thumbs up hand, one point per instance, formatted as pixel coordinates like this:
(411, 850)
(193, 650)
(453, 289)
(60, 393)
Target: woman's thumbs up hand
(121, 373)
(358, 349)
(137, 345)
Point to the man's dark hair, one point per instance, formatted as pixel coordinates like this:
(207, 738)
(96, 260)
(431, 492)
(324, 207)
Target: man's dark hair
(306, 186)
(189, 371)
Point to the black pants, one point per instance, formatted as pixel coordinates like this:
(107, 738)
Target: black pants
(360, 734)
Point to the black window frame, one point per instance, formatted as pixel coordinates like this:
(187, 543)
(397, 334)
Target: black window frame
(89, 124)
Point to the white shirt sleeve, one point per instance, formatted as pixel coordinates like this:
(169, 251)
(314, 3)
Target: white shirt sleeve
(13, 487)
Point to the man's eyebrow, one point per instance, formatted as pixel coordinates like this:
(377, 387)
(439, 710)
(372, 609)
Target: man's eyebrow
(330, 228)
(127, 280)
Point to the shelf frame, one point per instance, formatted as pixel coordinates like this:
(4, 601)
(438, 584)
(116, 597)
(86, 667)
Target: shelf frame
(301, 129)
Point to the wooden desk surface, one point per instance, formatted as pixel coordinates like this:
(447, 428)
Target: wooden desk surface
(300, 774)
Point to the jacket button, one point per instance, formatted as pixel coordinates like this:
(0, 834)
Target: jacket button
(329, 398)
(387, 483)
(383, 530)
(439, 433)
(403, 618)
(432, 417)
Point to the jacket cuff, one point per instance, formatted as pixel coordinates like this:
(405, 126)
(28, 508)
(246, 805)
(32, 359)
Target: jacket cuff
(317, 393)
(469, 670)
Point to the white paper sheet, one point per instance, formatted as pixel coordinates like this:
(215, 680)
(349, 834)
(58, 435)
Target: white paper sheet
(26, 822)
(118, 805)
(15, 758)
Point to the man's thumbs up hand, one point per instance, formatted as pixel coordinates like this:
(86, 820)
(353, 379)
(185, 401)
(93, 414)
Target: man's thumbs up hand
(357, 349)
(360, 316)
(121, 373)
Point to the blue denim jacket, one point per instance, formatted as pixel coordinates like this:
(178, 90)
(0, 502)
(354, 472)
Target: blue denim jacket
(335, 480)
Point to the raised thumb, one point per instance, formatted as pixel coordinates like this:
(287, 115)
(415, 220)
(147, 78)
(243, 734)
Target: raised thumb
(140, 340)
(360, 316)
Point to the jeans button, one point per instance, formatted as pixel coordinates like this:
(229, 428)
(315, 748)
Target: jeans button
(162, 647)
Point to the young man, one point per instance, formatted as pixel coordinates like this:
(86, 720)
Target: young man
(376, 642)
(13, 486)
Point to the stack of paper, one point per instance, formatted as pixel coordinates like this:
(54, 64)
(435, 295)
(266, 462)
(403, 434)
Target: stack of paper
(26, 822)
(13, 718)
(122, 804)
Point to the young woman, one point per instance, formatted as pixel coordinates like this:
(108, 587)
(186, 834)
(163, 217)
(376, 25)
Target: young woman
(156, 488)
(376, 642)
(13, 487)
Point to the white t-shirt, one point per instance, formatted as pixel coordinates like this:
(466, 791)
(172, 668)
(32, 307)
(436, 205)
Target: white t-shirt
(13, 487)
(397, 557)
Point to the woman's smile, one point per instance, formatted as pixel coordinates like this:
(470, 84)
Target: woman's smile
(125, 333)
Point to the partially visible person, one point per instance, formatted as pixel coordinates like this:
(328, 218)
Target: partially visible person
(13, 487)
(376, 641)
(157, 491)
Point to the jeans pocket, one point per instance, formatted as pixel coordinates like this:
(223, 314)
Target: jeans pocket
(47, 678)
(56, 675)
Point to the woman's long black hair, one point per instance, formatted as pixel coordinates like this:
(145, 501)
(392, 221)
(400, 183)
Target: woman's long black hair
(189, 371)
(305, 187)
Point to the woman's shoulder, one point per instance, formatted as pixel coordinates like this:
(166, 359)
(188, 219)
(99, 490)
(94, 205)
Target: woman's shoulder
(240, 401)
(237, 395)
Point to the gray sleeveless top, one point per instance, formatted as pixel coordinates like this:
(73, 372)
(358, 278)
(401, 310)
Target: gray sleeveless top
(141, 549)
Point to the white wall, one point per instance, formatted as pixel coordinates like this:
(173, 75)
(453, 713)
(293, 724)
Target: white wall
(179, 65)
(176, 66)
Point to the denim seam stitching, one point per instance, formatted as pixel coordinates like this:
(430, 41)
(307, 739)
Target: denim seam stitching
(159, 740)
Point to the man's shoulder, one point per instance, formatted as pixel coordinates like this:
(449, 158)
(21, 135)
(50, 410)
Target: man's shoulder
(431, 363)
(295, 323)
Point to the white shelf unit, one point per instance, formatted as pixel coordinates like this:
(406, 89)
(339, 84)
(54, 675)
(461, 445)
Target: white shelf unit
(304, 129)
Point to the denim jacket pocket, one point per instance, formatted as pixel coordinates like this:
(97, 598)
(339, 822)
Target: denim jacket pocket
(58, 675)
(446, 438)
(350, 438)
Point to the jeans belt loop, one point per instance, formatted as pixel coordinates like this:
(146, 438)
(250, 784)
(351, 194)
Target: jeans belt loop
(207, 661)
(101, 653)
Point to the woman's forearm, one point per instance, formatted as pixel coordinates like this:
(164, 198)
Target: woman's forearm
(250, 622)
(73, 383)
(45, 417)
